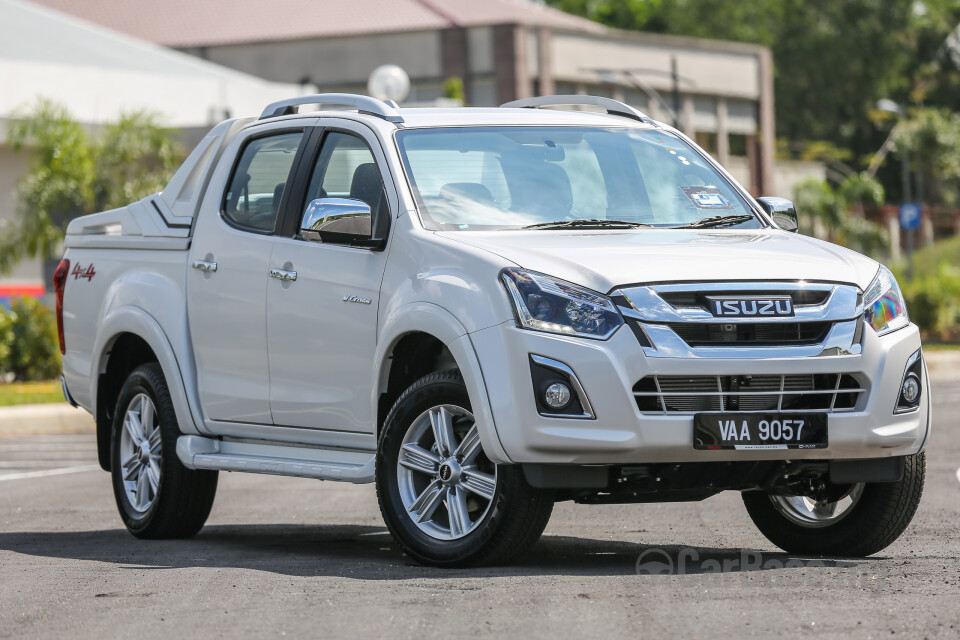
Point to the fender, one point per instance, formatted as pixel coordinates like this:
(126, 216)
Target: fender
(425, 317)
(130, 319)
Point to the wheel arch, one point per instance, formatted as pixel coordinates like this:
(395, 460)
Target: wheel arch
(421, 338)
(129, 337)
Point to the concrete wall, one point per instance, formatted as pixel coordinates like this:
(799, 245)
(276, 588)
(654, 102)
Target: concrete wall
(330, 62)
(702, 71)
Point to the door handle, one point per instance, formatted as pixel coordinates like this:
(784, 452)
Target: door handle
(283, 274)
(203, 265)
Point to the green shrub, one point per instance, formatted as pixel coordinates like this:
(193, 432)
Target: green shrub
(29, 349)
(933, 299)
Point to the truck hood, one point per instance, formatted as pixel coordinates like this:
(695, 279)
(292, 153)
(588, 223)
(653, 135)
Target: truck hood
(604, 260)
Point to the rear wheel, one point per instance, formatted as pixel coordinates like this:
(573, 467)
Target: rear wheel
(156, 495)
(443, 500)
(856, 520)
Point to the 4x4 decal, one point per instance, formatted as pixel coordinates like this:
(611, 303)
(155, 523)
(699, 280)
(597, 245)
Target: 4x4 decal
(79, 272)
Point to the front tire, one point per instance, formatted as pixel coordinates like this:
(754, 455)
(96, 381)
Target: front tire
(156, 495)
(861, 521)
(443, 501)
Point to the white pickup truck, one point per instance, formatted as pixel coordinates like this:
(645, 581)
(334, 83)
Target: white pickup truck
(485, 311)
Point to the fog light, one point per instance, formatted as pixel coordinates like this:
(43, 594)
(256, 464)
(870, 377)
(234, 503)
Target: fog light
(910, 389)
(557, 395)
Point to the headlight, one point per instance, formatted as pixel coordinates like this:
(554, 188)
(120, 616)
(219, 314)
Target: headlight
(546, 304)
(883, 306)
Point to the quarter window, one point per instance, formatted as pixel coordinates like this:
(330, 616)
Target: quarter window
(256, 188)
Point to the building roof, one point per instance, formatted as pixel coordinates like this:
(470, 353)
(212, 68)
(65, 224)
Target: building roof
(188, 23)
(99, 74)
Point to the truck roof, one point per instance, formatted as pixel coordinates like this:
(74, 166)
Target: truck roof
(591, 111)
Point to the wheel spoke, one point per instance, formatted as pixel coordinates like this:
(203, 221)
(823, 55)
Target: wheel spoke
(416, 458)
(457, 510)
(153, 473)
(146, 417)
(825, 509)
(427, 502)
(132, 466)
(441, 421)
(132, 425)
(478, 482)
(469, 447)
(155, 441)
(142, 484)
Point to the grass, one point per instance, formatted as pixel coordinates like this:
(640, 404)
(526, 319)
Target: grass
(30, 393)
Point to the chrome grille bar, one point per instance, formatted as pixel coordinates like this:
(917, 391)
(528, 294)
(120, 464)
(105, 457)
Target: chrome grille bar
(831, 393)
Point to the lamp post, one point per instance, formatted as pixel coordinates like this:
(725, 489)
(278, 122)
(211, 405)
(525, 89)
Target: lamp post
(910, 213)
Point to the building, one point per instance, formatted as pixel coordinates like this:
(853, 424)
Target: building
(197, 61)
(500, 49)
(99, 74)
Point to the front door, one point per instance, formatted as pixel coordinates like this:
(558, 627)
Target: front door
(227, 274)
(322, 326)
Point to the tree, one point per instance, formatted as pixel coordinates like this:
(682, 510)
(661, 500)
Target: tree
(72, 172)
(932, 138)
(832, 60)
(836, 213)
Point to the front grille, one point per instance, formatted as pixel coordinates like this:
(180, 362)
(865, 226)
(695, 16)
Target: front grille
(698, 300)
(708, 334)
(831, 392)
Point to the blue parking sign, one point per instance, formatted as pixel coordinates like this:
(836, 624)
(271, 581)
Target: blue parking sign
(910, 215)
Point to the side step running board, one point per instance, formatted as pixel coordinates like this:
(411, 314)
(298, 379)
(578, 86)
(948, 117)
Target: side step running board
(196, 452)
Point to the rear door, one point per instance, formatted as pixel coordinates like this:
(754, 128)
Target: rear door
(322, 327)
(228, 273)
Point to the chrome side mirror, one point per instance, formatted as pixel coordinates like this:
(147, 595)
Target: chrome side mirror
(336, 220)
(782, 211)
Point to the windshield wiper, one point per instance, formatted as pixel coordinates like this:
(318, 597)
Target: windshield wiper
(583, 223)
(716, 221)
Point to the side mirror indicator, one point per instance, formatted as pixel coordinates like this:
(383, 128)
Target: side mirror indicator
(782, 211)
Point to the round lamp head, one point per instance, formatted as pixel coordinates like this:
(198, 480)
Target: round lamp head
(389, 82)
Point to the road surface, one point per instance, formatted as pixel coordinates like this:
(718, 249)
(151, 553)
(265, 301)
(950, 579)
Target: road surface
(301, 558)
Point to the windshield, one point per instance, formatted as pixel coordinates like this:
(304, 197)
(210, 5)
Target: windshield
(483, 178)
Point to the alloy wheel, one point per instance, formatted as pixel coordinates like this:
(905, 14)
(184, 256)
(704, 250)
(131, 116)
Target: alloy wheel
(447, 484)
(141, 453)
(808, 512)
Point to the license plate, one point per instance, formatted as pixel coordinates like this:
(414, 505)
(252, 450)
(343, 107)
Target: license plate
(759, 431)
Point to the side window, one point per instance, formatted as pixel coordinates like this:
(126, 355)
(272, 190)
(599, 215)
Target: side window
(346, 168)
(256, 187)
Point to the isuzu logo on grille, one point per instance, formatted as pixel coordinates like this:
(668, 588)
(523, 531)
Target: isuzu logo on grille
(736, 307)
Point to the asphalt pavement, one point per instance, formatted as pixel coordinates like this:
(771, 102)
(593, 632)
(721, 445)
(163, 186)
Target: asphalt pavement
(302, 558)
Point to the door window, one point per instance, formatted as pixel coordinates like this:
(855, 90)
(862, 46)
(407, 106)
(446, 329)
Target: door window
(346, 168)
(258, 182)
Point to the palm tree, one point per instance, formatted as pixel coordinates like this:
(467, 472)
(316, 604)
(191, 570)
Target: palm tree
(73, 172)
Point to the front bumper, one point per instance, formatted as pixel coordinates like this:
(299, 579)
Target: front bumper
(619, 433)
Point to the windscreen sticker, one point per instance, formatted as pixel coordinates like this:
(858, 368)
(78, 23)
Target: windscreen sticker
(706, 198)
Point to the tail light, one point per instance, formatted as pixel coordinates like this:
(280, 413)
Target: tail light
(59, 284)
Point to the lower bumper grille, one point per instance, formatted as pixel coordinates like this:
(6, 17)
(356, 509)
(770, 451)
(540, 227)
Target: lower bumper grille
(833, 392)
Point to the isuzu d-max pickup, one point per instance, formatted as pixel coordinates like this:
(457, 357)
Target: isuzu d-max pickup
(483, 312)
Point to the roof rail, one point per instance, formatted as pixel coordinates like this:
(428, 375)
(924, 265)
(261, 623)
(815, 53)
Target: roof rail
(613, 107)
(364, 104)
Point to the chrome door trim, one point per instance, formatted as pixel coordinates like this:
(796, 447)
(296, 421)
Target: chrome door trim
(203, 265)
(283, 274)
